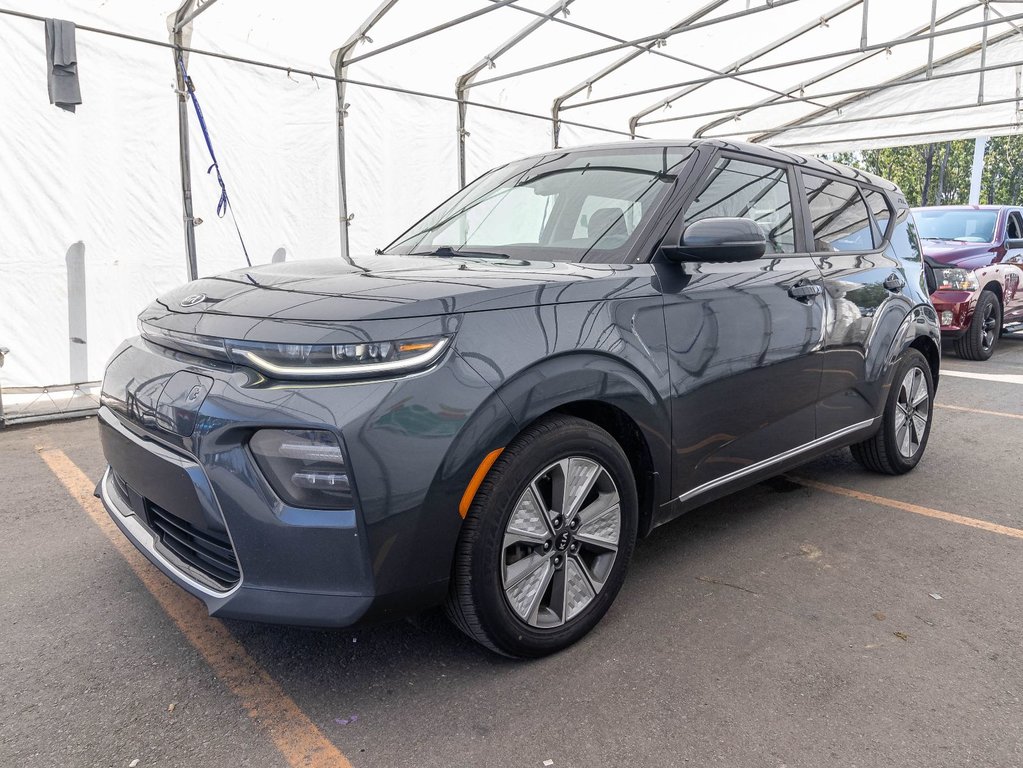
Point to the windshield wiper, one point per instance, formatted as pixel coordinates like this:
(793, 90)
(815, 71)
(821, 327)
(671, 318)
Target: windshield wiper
(448, 252)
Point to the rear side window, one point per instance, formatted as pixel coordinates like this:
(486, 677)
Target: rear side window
(838, 215)
(742, 189)
(878, 205)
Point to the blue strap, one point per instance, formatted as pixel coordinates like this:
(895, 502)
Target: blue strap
(224, 204)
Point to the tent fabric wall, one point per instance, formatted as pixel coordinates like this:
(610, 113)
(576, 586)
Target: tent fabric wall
(797, 73)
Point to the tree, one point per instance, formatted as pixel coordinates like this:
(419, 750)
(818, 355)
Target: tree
(939, 174)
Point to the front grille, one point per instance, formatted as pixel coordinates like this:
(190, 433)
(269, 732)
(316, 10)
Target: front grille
(205, 552)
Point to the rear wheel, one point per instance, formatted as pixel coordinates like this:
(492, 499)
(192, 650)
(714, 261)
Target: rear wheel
(899, 443)
(978, 343)
(545, 546)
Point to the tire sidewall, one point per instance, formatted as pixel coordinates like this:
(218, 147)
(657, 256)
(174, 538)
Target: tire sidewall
(514, 470)
(911, 358)
(977, 325)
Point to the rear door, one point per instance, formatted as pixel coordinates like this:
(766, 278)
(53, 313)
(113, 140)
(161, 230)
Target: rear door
(743, 338)
(864, 284)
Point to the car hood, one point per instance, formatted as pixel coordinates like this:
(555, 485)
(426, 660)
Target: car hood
(965, 255)
(391, 287)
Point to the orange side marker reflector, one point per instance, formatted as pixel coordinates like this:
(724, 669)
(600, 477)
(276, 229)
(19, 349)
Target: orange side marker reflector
(477, 478)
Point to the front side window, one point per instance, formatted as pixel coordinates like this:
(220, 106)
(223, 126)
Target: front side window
(748, 190)
(567, 206)
(967, 225)
(838, 215)
(1014, 227)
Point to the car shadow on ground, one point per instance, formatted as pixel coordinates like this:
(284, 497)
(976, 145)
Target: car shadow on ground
(385, 655)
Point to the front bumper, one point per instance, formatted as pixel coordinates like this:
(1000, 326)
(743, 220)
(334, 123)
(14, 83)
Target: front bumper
(955, 311)
(131, 510)
(184, 488)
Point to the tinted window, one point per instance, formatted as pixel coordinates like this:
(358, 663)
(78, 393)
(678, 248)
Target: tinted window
(878, 205)
(1014, 228)
(564, 206)
(964, 225)
(739, 188)
(838, 215)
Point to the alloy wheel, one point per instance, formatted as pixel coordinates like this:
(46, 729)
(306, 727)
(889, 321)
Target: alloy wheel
(561, 542)
(912, 412)
(990, 326)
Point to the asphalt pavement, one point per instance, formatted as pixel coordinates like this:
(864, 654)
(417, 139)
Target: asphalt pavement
(866, 622)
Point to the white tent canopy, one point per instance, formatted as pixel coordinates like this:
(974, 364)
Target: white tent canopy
(420, 86)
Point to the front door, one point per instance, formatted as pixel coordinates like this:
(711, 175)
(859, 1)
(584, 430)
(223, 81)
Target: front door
(743, 338)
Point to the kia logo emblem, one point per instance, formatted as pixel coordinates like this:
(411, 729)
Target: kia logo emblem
(191, 301)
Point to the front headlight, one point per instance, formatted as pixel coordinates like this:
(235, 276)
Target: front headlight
(308, 361)
(956, 280)
(338, 361)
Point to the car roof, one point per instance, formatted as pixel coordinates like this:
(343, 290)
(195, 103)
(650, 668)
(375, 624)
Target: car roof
(758, 150)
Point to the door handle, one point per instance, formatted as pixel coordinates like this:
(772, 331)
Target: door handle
(805, 290)
(894, 283)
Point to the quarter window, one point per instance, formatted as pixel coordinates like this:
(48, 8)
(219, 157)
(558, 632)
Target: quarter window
(838, 215)
(878, 205)
(739, 188)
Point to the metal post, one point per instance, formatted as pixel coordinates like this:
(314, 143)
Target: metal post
(983, 54)
(180, 35)
(339, 63)
(979, 145)
(464, 81)
(930, 40)
(863, 33)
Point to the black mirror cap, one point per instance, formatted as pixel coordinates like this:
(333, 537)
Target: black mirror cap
(719, 239)
(1014, 243)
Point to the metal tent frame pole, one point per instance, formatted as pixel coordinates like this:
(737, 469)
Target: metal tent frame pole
(913, 77)
(464, 81)
(626, 59)
(883, 46)
(180, 25)
(734, 114)
(339, 61)
(738, 64)
(180, 34)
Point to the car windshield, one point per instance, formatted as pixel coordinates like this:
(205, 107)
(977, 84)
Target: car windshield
(965, 226)
(567, 206)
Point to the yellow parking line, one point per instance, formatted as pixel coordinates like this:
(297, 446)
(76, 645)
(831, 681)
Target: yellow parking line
(973, 522)
(978, 410)
(296, 737)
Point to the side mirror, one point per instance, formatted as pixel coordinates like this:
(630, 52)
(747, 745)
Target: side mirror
(719, 239)
(1013, 244)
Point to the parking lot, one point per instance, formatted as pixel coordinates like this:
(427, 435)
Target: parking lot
(831, 617)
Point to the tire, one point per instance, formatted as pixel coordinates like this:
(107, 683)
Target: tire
(978, 343)
(899, 443)
(527, 582)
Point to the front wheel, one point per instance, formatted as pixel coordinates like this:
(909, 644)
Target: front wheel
(978, 343)
(899, 443)
(546, 543)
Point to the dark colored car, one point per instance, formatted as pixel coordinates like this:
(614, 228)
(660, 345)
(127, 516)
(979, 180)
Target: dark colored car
(976, 252)
(571, 351)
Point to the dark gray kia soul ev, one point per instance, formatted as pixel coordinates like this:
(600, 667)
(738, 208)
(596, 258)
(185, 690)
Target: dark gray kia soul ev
(572, 350)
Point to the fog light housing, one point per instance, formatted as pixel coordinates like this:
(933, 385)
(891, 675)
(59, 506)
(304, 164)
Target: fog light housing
(947, 317)
(305, 467)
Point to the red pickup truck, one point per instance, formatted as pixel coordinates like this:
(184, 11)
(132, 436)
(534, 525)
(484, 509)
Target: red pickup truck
(976, 254)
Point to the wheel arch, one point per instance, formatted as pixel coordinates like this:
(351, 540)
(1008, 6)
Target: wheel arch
(920, 331)
(607, 392)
